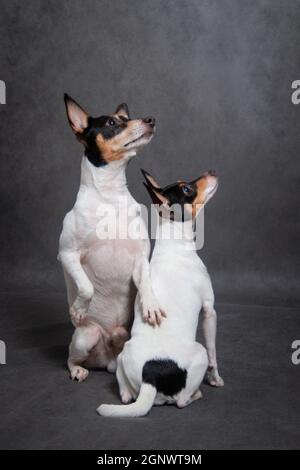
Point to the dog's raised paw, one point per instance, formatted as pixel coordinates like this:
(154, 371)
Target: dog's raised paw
(153, 315)
(78, 312)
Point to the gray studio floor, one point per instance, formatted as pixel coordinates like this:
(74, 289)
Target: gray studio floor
(41, 408)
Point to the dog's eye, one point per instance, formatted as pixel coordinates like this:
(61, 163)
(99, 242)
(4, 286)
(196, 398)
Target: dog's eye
(111, 122)
(187, 189)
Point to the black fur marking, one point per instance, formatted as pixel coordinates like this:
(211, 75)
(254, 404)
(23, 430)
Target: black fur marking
(97, 126)
(175, 194)
(165, 376)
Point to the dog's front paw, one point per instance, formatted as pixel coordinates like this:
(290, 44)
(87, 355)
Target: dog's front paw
(79, 310)
(153, 313)
(213, 378)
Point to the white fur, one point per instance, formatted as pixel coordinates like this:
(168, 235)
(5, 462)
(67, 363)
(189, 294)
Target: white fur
(101, 275)
(183, 287)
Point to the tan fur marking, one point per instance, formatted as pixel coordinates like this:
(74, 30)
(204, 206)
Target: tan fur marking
(108, 151)
(199, 200)
(113, 149)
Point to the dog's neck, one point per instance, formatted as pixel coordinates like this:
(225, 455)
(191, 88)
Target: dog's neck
(110, 177)
(179, 233)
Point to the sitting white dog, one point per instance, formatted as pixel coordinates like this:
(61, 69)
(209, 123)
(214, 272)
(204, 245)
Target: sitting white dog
(165, 364)
(102, 274)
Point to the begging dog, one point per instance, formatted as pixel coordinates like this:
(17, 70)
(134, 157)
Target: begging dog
(165, 364)
(103, 273)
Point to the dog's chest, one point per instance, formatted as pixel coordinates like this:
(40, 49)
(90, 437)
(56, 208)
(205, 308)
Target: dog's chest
(108, 248)
(110, 260)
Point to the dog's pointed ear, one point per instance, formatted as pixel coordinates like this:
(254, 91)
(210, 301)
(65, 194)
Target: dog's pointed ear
(77, 117)
(122, 110)
(154, 189)
(149, 179)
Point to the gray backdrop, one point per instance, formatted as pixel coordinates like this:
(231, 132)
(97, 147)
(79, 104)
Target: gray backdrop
(217, 76)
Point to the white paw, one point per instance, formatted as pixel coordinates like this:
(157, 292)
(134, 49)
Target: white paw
(79, 373)
(183, 402)
(213, 377)
(153, 313)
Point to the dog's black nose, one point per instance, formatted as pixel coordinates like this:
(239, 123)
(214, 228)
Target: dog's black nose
(150, 120)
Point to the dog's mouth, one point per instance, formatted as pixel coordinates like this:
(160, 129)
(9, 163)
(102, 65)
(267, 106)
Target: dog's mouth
(214, 188)
(212, 191)
(146, 135)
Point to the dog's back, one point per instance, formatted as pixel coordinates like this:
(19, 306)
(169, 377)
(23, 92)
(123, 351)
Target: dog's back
(165, 363)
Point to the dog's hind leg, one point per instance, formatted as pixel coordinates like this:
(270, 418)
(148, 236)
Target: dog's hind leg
(124, 388)
(118, 337)
(209, 331)
(116, 342)
(195, 375)
(84, 339)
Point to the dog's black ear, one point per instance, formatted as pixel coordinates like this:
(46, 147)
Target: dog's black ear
(154, 189)
(122, 110)
(77, 117)
(149, 178)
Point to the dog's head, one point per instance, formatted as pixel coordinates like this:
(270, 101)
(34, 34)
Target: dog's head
(109, 137)
(190, 197)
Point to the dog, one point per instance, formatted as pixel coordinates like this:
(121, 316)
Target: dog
(165, 364)
(103, 275)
